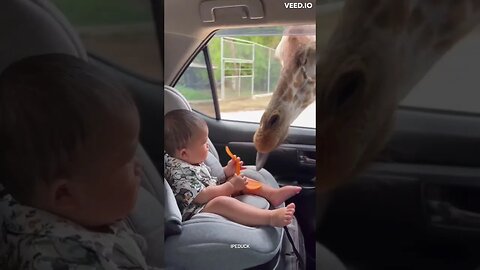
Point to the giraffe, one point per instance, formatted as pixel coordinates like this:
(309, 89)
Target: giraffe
(378, 51)
(294, 92)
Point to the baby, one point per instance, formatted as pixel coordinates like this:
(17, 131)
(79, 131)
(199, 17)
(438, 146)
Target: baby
(68, 135)
(196, 190)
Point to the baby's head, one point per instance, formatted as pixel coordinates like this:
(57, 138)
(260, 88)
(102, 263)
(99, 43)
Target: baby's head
(68, 135)
(186, 136)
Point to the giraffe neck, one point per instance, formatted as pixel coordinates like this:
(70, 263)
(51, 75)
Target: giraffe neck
(431, 31)
(299, 88)
(404, 38)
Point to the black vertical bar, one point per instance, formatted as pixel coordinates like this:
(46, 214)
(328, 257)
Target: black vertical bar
(158, 18)
(213, 86)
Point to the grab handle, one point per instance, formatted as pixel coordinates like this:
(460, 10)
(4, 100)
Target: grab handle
(252, 9)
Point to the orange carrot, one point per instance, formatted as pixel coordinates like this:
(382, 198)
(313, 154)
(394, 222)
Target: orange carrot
(251, 184)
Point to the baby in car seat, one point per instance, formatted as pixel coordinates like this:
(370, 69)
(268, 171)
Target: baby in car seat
(68, 135)
(196, 190)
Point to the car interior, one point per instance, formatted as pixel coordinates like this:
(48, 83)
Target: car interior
(156, 216)
(186, 37)
(416, 207)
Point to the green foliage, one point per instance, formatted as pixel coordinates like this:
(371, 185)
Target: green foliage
(193, 94)
(105, 12)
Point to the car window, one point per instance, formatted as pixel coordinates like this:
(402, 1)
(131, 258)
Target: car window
(452, 83)
(121, 31)
(195, 86)
(245, 71)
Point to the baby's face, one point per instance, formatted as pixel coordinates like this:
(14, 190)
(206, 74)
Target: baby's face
(105, 188)
(197, 150)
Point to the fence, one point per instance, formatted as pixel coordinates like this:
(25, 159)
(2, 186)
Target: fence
(247, 69)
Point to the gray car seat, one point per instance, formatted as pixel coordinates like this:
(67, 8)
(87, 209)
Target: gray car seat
(206, 239)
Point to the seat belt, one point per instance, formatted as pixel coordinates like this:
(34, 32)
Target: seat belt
(299, 257)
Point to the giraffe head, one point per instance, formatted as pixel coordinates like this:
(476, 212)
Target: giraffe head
(379, 50)
(295, 89)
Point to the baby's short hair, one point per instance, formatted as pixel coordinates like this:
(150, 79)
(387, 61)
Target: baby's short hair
(50, 105)
(180, 127)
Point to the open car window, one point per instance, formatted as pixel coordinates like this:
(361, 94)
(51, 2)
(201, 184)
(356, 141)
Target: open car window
(245, 73)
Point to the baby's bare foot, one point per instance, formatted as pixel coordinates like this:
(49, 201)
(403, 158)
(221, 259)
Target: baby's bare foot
(282, 194)
(282, 216)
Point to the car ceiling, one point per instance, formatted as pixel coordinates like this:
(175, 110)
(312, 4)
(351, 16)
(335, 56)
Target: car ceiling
(185, 32)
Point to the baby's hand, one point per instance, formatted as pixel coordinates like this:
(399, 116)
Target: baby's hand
(230, 168)
(238, 182)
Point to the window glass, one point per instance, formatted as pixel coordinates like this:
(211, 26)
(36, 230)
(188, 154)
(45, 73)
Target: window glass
(195, 86)
(450, 85)
(246, 73)
(121, 31)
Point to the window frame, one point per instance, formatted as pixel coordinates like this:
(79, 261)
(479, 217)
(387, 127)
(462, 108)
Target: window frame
(203, 44)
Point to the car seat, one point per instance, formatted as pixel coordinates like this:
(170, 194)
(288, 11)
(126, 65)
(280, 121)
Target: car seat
(206, 238)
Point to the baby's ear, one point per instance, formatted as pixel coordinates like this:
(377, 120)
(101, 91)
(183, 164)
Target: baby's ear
(183, 153)
(62, 194)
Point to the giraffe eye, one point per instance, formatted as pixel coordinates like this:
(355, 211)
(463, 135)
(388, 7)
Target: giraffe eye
(346, 86)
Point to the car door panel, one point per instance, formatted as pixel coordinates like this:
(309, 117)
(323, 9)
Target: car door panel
(287, 162)
(295, 158)
(418, 204)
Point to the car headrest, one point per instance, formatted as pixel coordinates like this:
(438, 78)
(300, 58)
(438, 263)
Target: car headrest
(31, 27)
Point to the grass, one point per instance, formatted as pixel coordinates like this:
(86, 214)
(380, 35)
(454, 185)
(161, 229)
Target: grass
(193, 95)
(244, 104)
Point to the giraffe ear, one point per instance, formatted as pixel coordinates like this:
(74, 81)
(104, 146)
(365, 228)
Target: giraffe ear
(288, 46)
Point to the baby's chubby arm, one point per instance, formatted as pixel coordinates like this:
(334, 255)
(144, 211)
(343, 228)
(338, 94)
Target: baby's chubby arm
(234, 184)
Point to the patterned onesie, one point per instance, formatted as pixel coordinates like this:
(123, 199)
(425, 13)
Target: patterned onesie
(31, 238)
(187, 181)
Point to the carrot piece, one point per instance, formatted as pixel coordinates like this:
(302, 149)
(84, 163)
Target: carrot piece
(253, 184)
(237, 164)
